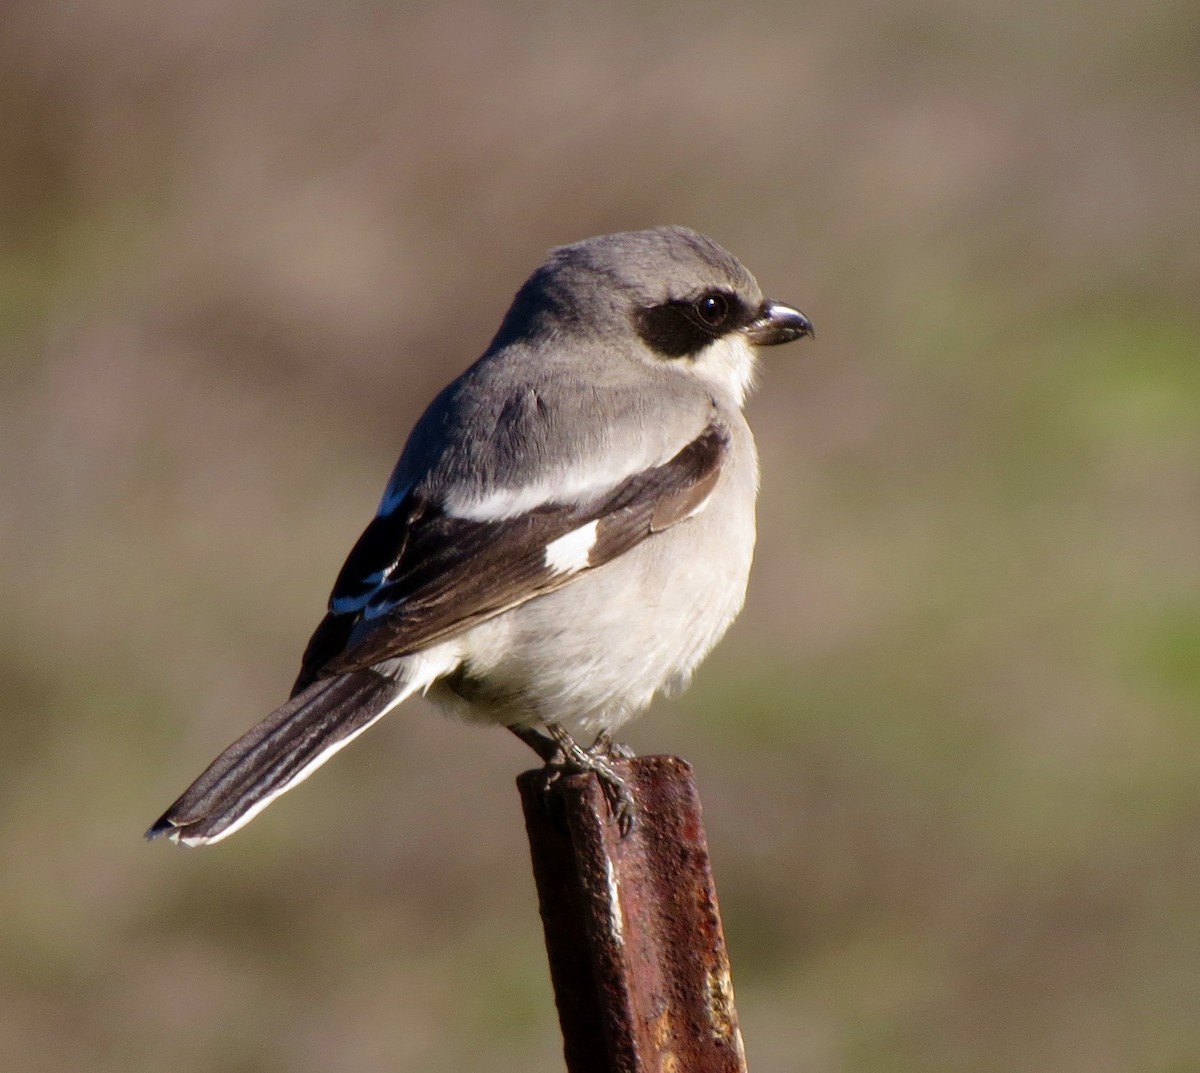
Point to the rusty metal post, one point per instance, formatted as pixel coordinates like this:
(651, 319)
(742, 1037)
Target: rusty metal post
(637, 952)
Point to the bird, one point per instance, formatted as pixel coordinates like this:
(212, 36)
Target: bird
(567, 533)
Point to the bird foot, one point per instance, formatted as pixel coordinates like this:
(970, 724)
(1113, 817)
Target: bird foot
(560, 752)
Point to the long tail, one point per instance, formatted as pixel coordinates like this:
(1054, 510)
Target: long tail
(283, 750)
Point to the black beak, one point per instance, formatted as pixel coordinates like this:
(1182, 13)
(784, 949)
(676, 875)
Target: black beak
(778, 323)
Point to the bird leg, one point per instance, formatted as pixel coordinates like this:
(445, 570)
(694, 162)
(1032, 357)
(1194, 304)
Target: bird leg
(546, 747)
(560, 751)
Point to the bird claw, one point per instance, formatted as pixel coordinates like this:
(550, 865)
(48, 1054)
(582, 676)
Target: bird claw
(617, 795)
(563, 756)
(598, 759)
(611, 750)
(621, 803)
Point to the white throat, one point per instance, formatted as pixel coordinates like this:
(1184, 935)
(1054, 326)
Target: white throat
(729, 363)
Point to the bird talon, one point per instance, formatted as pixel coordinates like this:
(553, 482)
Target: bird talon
(621, 804)
(597, 760)
(611, 750)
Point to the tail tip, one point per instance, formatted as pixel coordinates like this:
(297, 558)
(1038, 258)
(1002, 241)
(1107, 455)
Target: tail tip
(164, 825)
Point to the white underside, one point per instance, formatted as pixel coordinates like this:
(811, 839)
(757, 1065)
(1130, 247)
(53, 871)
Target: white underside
(594, 653)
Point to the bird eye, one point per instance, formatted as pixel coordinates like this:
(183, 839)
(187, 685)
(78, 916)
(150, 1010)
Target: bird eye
(712, 309)
(685, 326)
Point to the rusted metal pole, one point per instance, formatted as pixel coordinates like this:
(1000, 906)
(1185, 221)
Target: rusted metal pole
(637, 952)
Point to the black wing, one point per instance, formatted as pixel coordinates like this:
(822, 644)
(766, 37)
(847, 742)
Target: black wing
(418, 576)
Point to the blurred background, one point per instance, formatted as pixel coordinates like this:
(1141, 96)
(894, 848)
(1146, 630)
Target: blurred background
(950, 753)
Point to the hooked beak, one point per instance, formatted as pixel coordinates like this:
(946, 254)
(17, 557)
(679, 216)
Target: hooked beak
(778, 323)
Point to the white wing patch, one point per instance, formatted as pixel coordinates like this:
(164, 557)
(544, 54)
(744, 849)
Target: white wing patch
(569, 554)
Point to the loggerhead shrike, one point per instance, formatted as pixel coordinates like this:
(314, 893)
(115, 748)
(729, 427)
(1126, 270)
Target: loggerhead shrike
(568, 530)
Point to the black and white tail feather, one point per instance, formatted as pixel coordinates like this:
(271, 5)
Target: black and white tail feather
(277, 754)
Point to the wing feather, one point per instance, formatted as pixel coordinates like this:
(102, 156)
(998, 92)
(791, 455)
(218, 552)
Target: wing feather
(419, 575)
